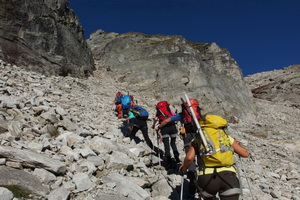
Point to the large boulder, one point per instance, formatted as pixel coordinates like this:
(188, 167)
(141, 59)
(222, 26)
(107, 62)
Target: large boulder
(44, 36)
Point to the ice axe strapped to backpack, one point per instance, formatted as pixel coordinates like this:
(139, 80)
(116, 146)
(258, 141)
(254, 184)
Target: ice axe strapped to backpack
(188, 106)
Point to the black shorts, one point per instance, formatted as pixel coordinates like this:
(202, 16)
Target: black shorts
(224, 182)
(169, 130)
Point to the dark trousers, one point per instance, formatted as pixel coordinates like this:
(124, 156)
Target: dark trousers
(142, 126)
(167, 143)
(125, 128)
(170, 133)
(213, 184)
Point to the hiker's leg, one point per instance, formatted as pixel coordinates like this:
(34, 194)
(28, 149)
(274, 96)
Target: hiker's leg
(192, 184)
(166, 142)
(191, 174)
(132, 134)
(230, 186)
(144, 130)
(166, 145)
(125, 128)
(209, 185)
(174, 148)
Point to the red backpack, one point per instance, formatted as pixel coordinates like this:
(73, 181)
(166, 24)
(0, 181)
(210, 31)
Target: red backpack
(163, 110)
(195, 106)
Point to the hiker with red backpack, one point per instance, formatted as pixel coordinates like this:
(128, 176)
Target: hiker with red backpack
(168, 132)
(189, 132)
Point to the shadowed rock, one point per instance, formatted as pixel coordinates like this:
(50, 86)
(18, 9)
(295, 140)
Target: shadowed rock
(44, 36)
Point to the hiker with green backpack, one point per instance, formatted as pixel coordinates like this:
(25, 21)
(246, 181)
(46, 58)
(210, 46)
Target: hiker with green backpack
(216, 173)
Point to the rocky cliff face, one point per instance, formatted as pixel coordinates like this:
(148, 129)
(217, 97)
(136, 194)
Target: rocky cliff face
(44, 36)
(166, 66)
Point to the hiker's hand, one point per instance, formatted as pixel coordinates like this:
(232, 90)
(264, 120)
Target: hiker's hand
(181, 170)
(124, 119)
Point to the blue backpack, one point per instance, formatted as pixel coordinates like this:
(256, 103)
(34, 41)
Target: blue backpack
(139, 112)
(126, 101)
(118, 99)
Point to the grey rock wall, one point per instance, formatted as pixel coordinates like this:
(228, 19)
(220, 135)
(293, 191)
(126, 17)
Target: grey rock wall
(166, 66)
(44, 36)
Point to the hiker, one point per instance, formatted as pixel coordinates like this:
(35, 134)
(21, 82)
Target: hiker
(168, 132)
(216, 172)
(118, 104)
(137, 118)
(123, 104)
(189, 132)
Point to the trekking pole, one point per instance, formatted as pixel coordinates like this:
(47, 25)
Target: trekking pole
(181, 188)
(152, 150)
(246, 178)
(158, 140)
(199, 130)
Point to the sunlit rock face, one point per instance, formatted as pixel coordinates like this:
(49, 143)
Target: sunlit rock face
(166, 66)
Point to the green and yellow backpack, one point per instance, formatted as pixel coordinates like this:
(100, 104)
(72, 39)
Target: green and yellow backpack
(219, 142)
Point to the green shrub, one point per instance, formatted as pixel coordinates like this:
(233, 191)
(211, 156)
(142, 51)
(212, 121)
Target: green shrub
(18, 191)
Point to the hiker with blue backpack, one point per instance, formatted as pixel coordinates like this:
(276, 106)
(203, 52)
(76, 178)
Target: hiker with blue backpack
(123, 104)
(137, 118)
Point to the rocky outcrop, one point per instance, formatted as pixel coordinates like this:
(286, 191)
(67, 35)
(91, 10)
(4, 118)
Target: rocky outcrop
(282, 86)
(165, 66)
(44, 36)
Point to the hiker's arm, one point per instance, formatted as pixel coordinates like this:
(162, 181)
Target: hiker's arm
(125, 119)
(131, 115)
(188, 160)
(163, 123)
(239, 149)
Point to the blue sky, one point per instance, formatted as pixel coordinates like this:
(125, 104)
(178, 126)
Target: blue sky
(261, 35)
